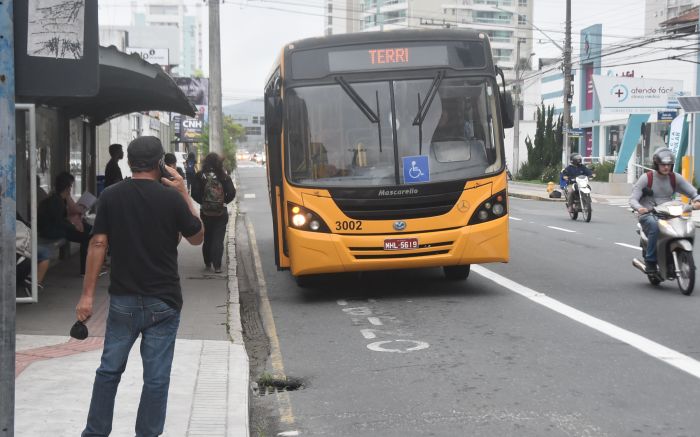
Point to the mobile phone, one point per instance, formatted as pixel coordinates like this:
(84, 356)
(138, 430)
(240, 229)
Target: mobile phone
(165, 173)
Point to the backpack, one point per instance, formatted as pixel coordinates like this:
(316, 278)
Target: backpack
(650, 179)
(212, 195)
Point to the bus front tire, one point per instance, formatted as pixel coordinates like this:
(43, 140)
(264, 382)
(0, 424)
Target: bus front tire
(457, 273)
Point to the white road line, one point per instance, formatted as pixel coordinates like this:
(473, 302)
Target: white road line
(368, 334)
(629, 245)
(375, 321)
(514, 218)
(560, 229)
(342, 302)
(249, 196)
(649, 347)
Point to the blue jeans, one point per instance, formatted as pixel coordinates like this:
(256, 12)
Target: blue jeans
(650, 226)
(157, 323)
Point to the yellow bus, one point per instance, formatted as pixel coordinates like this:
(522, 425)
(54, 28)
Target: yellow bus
(385, 151)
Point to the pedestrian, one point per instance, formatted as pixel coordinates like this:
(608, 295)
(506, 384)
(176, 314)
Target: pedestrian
(171, 161)
(58, 217)
(141, 219)
(113, 173)
(190, 169)
(212, 188)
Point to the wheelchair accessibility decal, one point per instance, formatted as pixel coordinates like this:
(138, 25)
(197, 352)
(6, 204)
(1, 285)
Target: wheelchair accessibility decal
(416, 169)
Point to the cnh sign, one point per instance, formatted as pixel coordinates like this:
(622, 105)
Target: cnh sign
(632, 94)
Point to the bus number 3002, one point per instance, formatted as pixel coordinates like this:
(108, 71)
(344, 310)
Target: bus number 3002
(345, 225)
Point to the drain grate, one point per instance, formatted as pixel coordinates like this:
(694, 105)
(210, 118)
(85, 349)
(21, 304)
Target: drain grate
(267, 385)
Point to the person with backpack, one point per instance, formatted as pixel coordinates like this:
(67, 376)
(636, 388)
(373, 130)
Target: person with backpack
(212, 188)
(654, 188)
(190, 170)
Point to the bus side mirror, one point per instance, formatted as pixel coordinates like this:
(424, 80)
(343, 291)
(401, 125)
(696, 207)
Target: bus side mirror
(507, 110)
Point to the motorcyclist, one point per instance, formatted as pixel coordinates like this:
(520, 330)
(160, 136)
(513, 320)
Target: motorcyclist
(664, 184)
(568, 175)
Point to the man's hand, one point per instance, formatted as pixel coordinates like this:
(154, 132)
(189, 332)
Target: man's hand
(642, 210)
(178, 183)
(83, 310)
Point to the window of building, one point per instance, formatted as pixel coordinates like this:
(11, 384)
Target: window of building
(522, 3)
(255, 119)
(262, 120)
(522, 19)
(253, 130)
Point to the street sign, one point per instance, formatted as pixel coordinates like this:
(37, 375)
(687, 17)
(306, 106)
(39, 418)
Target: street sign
(576, 132)
(666, 116)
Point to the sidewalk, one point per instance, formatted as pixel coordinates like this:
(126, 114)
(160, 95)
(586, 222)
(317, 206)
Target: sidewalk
(532, 191)
(209, 383)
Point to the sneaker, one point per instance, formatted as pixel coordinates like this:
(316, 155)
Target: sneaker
(217, 270)
(650, 267)
(207, 267)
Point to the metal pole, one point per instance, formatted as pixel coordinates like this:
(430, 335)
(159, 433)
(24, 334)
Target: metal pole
(516, 112)
(380, 17)
(567, 83)
(8, 208)
(215, 116)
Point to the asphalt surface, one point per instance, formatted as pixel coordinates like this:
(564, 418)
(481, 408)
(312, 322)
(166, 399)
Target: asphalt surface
(576, 344)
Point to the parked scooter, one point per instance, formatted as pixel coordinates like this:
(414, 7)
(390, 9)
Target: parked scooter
(674, 246)
(580, 200)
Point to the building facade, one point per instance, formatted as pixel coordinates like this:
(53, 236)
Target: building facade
(342, 16)
(658, 11)
(251, 115)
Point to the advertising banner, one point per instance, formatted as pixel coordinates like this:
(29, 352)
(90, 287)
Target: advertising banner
(678, 138)
(634, 95)
(195, 88)
(154, 56)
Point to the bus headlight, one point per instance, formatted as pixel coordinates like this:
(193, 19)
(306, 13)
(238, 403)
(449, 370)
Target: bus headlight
(490, 209)
(305, 219)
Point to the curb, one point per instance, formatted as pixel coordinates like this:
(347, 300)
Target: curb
(239, 382)
(534, 197)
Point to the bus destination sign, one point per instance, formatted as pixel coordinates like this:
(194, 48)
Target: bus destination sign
(387, 57)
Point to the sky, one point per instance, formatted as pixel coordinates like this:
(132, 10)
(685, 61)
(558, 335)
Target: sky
(254, 31)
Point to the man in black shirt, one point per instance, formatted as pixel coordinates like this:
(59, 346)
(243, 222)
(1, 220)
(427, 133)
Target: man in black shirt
(113, 173)
(141, 219)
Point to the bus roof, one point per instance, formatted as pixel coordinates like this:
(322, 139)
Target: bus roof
(388, 36)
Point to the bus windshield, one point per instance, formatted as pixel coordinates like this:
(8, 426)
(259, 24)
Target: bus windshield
(365, 134)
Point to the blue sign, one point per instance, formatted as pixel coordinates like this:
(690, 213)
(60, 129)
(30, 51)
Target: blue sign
(416, 169)
(667, 116)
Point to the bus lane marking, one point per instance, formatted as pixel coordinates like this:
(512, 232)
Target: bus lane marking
(515, 218)
(643, 344)
(629, 245)
(396, 345)
(560, 229)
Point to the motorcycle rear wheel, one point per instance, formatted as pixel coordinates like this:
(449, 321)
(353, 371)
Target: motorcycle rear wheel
(686, 279)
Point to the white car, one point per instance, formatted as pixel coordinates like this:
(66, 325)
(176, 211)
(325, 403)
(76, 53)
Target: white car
(260, 158)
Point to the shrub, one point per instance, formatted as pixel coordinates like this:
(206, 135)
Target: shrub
(603, 170)
(529, 171)
(551, 174)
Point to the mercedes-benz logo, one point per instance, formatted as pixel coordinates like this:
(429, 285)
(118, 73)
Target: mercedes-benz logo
(399, 225)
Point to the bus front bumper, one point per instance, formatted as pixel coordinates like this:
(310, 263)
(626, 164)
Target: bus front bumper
(313, 253)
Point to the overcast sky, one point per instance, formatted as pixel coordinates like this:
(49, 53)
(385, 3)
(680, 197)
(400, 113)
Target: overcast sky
(254, 31)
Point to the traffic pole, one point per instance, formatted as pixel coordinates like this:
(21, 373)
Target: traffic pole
(516, 113)
(216, 120)
(567, 84)
(8, 209)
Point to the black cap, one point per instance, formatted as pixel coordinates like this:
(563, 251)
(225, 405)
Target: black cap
(79, 330)
(144, 153)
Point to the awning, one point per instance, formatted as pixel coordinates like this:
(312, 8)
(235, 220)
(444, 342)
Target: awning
(127, 84)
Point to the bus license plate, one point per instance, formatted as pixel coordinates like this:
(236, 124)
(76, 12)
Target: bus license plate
(401, 244)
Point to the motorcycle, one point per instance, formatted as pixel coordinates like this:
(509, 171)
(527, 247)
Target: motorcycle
(580, 199)
(674, 246)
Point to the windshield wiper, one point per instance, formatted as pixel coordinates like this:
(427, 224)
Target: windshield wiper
(424, 106)
(364, 107)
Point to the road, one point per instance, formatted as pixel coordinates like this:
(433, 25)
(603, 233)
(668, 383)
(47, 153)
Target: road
(568, 339)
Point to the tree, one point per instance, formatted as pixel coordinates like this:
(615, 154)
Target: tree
(544, 153)
(233, 134)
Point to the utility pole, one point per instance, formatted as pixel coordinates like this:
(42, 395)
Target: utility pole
(516, 112)
(8, 208)
(216, 121)
(567, 83)
(380, 17)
